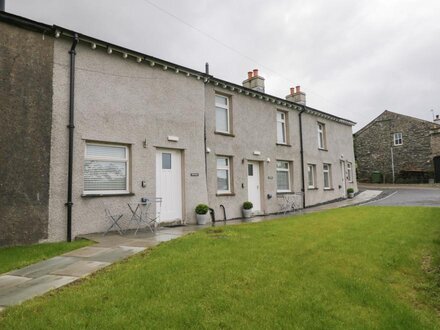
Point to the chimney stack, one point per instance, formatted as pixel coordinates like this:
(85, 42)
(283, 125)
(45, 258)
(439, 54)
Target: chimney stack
(2, 5)
(254, 81)
(437, 119)
(296, 95)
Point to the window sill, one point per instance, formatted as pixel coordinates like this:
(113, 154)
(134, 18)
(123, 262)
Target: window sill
(323, 149)
(224, 134)
(225, 194)
(106, 195)
(283, 144)
(312, 188)
(284, 192)
(329, 189)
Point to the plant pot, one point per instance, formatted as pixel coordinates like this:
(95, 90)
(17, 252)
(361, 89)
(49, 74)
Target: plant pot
(202, 219)
(247, 213)
(351, 195)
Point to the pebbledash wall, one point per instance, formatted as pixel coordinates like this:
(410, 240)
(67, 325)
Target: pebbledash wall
(254, 130)
(122, 102)
(139, 102)
(412, 160)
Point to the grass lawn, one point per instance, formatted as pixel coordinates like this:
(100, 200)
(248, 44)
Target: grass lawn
(363, 267)
(20, 256)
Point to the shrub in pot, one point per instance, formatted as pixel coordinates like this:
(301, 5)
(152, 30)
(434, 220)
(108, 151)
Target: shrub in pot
(350, 192)
(202, 214)
(247, 209)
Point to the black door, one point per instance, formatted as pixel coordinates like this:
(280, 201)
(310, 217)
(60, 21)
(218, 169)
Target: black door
(437, 169)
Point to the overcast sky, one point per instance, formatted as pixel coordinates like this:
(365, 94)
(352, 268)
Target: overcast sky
(354, 59)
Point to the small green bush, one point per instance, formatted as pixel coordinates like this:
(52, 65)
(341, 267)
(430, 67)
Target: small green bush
(202, 209)
(247, 205)
(350, 190)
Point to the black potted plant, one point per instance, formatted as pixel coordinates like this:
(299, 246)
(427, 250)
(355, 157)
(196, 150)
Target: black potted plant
(202, 214)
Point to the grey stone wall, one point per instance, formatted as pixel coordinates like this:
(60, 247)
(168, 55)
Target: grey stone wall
(373, 147)
(25, 128)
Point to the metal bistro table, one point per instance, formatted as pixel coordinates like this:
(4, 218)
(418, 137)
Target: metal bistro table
(142, 213)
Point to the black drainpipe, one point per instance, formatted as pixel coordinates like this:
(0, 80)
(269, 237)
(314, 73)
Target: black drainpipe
(302, 157)
(2, 5)
(71, 127)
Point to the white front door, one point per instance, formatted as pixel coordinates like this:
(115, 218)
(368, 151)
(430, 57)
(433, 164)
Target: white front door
(343, 183)
(254, 192)
(169, 183)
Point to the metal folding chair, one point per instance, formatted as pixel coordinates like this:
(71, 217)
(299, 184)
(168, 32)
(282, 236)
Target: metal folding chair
(153, 213)
(142, 213)
(114, 221)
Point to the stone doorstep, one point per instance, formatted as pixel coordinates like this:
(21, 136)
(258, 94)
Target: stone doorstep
(33, 288)
(44, 267)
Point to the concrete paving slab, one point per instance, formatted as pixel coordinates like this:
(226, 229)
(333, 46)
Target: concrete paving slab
(117, 254)
(44, 267)
(109, 240)
(86, 252)
(7, 281)
(140, 243)
(33, 288)
(81, 268)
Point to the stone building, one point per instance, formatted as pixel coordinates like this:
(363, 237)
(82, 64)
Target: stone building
(403, 149)
(88, 125)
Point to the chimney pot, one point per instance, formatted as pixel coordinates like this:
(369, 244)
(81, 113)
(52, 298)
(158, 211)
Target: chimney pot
(255, 72)
(250, 75)
(292, 90)
(298, 89)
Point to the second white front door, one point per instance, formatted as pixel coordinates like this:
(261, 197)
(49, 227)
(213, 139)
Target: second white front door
(169, 183)
(254, 192)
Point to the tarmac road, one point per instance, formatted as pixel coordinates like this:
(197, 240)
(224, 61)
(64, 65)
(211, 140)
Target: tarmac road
(410, 197)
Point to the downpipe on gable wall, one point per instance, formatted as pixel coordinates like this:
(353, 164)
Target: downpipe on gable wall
(71, 127)
(303, 189)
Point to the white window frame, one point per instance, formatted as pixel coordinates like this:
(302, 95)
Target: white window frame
(283, 122)
(288, 176)
(398, 139)
(321, 133)
(228, 169)
(311, 169)
(228, 113)
(329, 173)
(349, 172)
(109, 159)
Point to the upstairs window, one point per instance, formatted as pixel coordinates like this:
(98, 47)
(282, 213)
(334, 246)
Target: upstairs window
(321, 136)
(398, 139)
(222, 120)
(105, 169)
(283, 176)
(281, 127)
(327, 171)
